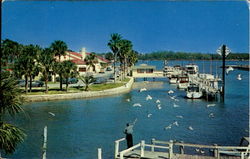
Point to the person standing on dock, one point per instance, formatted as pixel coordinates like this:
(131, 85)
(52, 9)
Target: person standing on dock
(128, 131)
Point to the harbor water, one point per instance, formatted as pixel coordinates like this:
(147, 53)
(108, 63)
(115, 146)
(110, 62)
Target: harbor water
(80, 126)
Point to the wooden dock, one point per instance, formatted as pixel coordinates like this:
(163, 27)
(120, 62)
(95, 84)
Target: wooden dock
(175, 150)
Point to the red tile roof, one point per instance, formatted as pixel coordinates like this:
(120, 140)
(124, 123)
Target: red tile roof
(80, 55)
(78, 61)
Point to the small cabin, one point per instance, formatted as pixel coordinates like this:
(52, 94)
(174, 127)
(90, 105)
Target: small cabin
(143, 70)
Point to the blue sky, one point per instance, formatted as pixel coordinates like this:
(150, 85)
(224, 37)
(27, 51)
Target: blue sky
(190, 26)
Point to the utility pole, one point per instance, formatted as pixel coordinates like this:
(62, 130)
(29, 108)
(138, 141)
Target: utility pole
(223, 71)
(223, 51)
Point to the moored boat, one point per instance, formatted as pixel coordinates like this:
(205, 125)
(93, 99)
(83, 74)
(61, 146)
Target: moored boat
(194, 91)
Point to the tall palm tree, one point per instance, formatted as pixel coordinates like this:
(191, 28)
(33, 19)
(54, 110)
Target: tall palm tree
(87, 80)
(114, 45)
(69, 70)
(27, 64)
(91, 60)
(59, 48)
(11, 50)
(46, 61)
(126, 48)
(11, 100)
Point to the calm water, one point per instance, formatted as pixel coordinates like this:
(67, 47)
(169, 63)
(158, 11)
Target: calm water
(81, 126)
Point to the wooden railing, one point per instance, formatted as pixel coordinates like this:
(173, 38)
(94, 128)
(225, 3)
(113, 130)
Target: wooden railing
(243, 152)
(218, 150)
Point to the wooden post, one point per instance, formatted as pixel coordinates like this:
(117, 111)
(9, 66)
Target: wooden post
(153, 143)
(142, 148)
(99, 153)
(216, 152)
(44, 142)
(181, 149)
(170, 149)
(116, 149)
(121, 155)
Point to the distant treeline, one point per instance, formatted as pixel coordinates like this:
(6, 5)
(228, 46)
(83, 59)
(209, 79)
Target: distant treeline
(171, 55)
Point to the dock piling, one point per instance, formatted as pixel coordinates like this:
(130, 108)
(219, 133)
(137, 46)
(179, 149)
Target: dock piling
(142, 148)
(99, 153)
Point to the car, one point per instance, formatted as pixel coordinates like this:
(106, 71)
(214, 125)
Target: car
(100, 80)
(108, 69)
(21, 83)
(70, 81)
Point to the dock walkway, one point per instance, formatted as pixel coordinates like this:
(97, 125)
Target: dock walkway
(175, 150)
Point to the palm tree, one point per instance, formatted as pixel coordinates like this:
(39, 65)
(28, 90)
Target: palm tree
(27, 65)
(87, 80)
(11, 51)
(69, 70)
(126, 48)
(59, 48)
(10, 135)
(46, 61)
(114, 45)
(91, 60)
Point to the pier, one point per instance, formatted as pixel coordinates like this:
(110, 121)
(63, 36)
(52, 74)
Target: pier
(179, 150)
(239, 67)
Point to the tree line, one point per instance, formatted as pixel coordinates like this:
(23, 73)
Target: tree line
(171, 55)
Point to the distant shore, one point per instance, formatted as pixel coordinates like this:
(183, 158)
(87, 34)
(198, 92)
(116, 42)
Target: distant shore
(109, 92)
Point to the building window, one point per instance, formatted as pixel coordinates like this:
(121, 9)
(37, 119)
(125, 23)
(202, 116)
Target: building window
(149, 70)
(140, 70)
(82, 69)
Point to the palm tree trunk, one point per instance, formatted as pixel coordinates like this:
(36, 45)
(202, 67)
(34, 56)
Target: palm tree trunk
(60, 76)
(26, 84)
(30, 82)
(67, 84)
(46, 84)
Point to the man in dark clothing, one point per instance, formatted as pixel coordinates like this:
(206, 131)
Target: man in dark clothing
(128, 131)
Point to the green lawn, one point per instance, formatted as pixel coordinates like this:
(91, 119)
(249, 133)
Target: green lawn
(93, 87)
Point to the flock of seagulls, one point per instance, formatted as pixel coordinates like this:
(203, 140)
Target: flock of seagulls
(231, 69)
(175, 105)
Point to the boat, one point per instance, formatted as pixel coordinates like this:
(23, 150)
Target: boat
(173, 79)
(183, 82)
(194, 91)
(192, 69)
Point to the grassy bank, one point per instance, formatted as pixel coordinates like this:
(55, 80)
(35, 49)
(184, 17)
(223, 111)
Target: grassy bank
(93, 87)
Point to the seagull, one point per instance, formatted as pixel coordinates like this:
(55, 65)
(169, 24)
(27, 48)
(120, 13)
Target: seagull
(168, 127)
(51, 113)
(229, 69)
(239, 77)
(179, 116)
(159, 106)
(197, 150)
(128, 100)
(211, 105)
(202, 151)
(149, 115)
(175, 123)
(170, 91)
(177, 100)
(172, 97)
(137, 105)
(148, 97)
(190, 128)
(142, 89)
(211, 115)
(158, 101)
(175, 105)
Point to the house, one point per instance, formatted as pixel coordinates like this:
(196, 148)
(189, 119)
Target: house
(143, 70)
(79, 60)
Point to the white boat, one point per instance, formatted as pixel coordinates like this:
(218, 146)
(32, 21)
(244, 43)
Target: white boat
(193, 91)
(182, 82)
(192, 69)
(173, 79)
